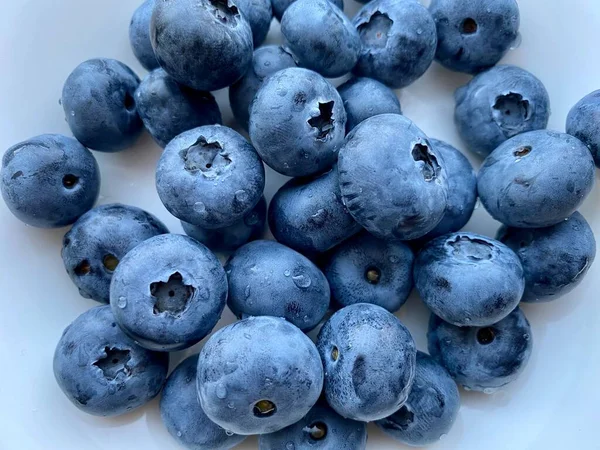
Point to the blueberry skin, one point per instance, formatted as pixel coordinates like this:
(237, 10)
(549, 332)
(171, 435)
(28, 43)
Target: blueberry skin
(270, 279)
(322, 428)
(259, 14)
(468, 279)
(183, 416)
(203, 44)
(230, 238)
(99, 240)
(398, 41)
(474, 35)
(101, 370)
(279, 6)
(259, 375)
(49, 181)
(582, 122)
(168, 108)
(332, 54)
(98, 100)
(168, 292)
(555, 259)
(499, 104)
(482, 359)
(365, 269)
(265, 62)
(210, 177)
(369, 359)
(297, 122)
(431, 408)
(307, 214)
(139, 35)
(536, 179)
(366, 97)
(392, 179)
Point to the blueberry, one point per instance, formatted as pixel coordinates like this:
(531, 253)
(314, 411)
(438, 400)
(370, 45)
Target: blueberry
(365, 269)
(332, 53)
(49, 181)
(398, 41)
(369, 359)
(168, 108)
(97, 242)
(230, 238)
(203, 44)
(258, 376)
(210, 177)
(99, 104)
(101, 370)
(279, 6)
(265, 62)
(474, 35)
(139, 35)
(582, 122)
(307, 214)
(555, 259)
(269, 279)
(183, 416)
(297, 122)
(364, 98)
(393, 181)
(259, 14)
(168, 292)
(482, 358)
(321, 428)
(431, 408)
(536, 179)
(468, 279)
(499, 104)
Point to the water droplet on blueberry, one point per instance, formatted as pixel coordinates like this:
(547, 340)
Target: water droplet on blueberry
(221, 391)
(302, 281)
(122, 302)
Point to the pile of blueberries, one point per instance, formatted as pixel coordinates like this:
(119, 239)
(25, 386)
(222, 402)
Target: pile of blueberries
(374, 209)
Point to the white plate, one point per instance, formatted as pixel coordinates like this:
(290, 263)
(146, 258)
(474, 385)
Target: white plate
(555, 403)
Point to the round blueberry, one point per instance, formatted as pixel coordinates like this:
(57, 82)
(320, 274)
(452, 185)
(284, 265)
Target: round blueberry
(101, 370)
(168, 292)
(582, 122)
(482, 358)
(139, 35)
(297, 122)
(258, 376)
(259, 14)
(49, 181)
(279, 6)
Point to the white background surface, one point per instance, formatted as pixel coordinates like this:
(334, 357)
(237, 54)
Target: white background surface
(554, 405)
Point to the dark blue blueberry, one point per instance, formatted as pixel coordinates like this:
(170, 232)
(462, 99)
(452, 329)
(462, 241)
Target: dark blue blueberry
(168, 108)
(230, 238)
(49, 181)
(365, 269)
(297, 122)
(369, 359)
(498, 104)
(265, 62)
(555, 259)
(279, 6)
(269, 279)
(98, 241)
(398, 41)
(536, 179)
(364, 98)
(168, 292)
(321, 37)
(474, 35)
(139, 35)
(322, 428)
(259, 14)
(210, 177)
(582, 122)
(307, 214)
(259, 375)
(203, 44)
(468, 279)
(101, 370)
(482, 358)
(183, 416)
(392, 179)
(99, 104)
(431, 408)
